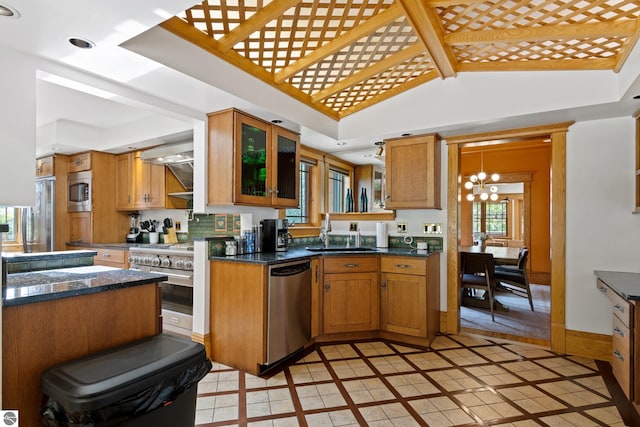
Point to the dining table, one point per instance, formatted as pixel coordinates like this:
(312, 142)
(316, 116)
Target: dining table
(502, 255)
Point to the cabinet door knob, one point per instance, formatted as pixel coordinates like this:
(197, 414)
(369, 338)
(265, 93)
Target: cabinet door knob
(403, 266)
(618, 331)
(618, 355)
(352, 265)
(326, 287)
(619, 308)
(384, 283)
(602, 289)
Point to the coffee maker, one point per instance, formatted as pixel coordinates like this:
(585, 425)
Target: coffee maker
(134, 236)
(275, 235)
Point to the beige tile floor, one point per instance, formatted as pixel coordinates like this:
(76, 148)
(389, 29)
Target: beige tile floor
(462, 380)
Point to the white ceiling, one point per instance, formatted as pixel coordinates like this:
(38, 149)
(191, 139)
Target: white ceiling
(185, 88)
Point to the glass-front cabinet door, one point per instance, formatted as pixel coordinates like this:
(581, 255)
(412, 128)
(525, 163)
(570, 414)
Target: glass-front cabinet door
(285, 172)
(253, 161)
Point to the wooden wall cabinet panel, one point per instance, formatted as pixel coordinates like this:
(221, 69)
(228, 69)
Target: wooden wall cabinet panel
(45, 167)
(265, 162)
(104, 224)
(637, 174)
(316, 297)
(413, 172)
(80, 162)
(144, 185)
(238, 320)
(124, 181)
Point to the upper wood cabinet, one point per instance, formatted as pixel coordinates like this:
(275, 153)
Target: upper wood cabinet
(44, 167)
(373, 179)
(251, 162)
(144, 185)
(80, 162)
(413, 172)
(637, 202)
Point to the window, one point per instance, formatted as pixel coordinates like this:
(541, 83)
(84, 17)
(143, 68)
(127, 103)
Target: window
(338, 184)
(8, 216)
(490, 218)
(302, 214)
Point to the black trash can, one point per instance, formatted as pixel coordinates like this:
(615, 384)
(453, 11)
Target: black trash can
(147, 383)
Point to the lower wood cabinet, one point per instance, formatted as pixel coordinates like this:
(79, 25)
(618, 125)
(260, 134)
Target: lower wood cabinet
(410, 296)
(351, 297)
(238, 319)
(117, 258)
(622, 358)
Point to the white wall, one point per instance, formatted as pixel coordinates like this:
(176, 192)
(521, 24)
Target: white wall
(17, 129)
(602, 233)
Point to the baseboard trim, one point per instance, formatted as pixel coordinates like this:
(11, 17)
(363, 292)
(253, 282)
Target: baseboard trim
(204, 340)
(588, 344)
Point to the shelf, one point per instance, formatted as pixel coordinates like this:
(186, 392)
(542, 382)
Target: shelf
(187, 195)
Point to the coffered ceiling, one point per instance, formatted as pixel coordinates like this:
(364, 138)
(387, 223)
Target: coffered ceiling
(341, 56)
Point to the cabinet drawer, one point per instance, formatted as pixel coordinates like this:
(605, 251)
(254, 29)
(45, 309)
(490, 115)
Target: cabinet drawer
(621, 307)
(621, 366)
(80, 162)
(404, 265)
(355, 264)
(621, 335)
(111, 256)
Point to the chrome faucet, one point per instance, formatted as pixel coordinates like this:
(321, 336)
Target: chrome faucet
(324, 231)
(356, 235)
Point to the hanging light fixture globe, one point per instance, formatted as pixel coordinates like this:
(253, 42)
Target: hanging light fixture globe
(479, 184)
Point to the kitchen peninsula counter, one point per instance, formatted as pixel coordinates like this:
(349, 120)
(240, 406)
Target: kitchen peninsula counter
(40, 286)
(296, 254)
(54, 316)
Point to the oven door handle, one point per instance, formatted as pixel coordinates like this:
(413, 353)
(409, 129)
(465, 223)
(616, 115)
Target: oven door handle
(170, 275)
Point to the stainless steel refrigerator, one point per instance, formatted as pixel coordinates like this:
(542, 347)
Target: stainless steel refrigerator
(38, 222)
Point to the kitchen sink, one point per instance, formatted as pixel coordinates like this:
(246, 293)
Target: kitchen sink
(340, 249)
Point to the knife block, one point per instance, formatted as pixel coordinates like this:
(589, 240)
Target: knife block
(170, 236)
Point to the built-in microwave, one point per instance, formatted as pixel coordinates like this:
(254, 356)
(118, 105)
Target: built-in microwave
(79, 192)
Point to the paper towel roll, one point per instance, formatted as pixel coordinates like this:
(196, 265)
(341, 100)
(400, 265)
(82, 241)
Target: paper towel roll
(382, 240)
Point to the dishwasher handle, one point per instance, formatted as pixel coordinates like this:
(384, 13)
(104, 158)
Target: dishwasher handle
(290, 269)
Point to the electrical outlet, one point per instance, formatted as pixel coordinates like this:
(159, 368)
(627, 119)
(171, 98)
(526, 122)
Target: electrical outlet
(432, 228)
(402, 227)
(353, 226)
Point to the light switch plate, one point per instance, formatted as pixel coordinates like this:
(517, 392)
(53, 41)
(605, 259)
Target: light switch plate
(402, 227)
(353, 226)
(431, 228)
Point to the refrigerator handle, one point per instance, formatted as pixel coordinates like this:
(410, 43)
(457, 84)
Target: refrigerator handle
(25, 216)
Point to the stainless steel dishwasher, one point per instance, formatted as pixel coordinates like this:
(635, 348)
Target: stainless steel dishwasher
(289, 309)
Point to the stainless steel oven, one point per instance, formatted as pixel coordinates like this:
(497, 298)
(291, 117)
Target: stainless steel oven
(79, 192)
(177, 291)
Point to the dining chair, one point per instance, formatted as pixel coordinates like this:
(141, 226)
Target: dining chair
(477, 272)
(515, 278)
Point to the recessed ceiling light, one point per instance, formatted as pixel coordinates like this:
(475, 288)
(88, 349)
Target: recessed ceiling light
(636, 97)
(276, 121)
(406, 134)
(81, 43)
(342, 143)
(8, 11)
(368, 155)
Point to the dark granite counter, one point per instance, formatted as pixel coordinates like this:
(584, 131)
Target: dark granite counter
(294, 254)
(627, 285)
(11, 257)
(38, 286)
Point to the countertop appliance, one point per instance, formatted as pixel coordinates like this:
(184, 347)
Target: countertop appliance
(176, 261)
(38, 221)
(134, 235)
(275, 235)
(288, 309)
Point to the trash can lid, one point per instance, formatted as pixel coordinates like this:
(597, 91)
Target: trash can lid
(103, 378)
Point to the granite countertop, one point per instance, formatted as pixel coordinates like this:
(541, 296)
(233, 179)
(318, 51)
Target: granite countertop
(42, 256)
(627, 285)
(295, 254)
(38, 286)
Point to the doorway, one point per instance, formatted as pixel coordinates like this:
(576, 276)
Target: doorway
(556, 134)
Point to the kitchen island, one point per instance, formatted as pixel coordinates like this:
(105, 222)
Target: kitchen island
(53, 316)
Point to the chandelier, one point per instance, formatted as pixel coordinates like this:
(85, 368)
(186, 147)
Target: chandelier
(481, 184)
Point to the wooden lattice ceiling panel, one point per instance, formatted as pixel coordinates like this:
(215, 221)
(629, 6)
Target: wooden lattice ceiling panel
(340, 56)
